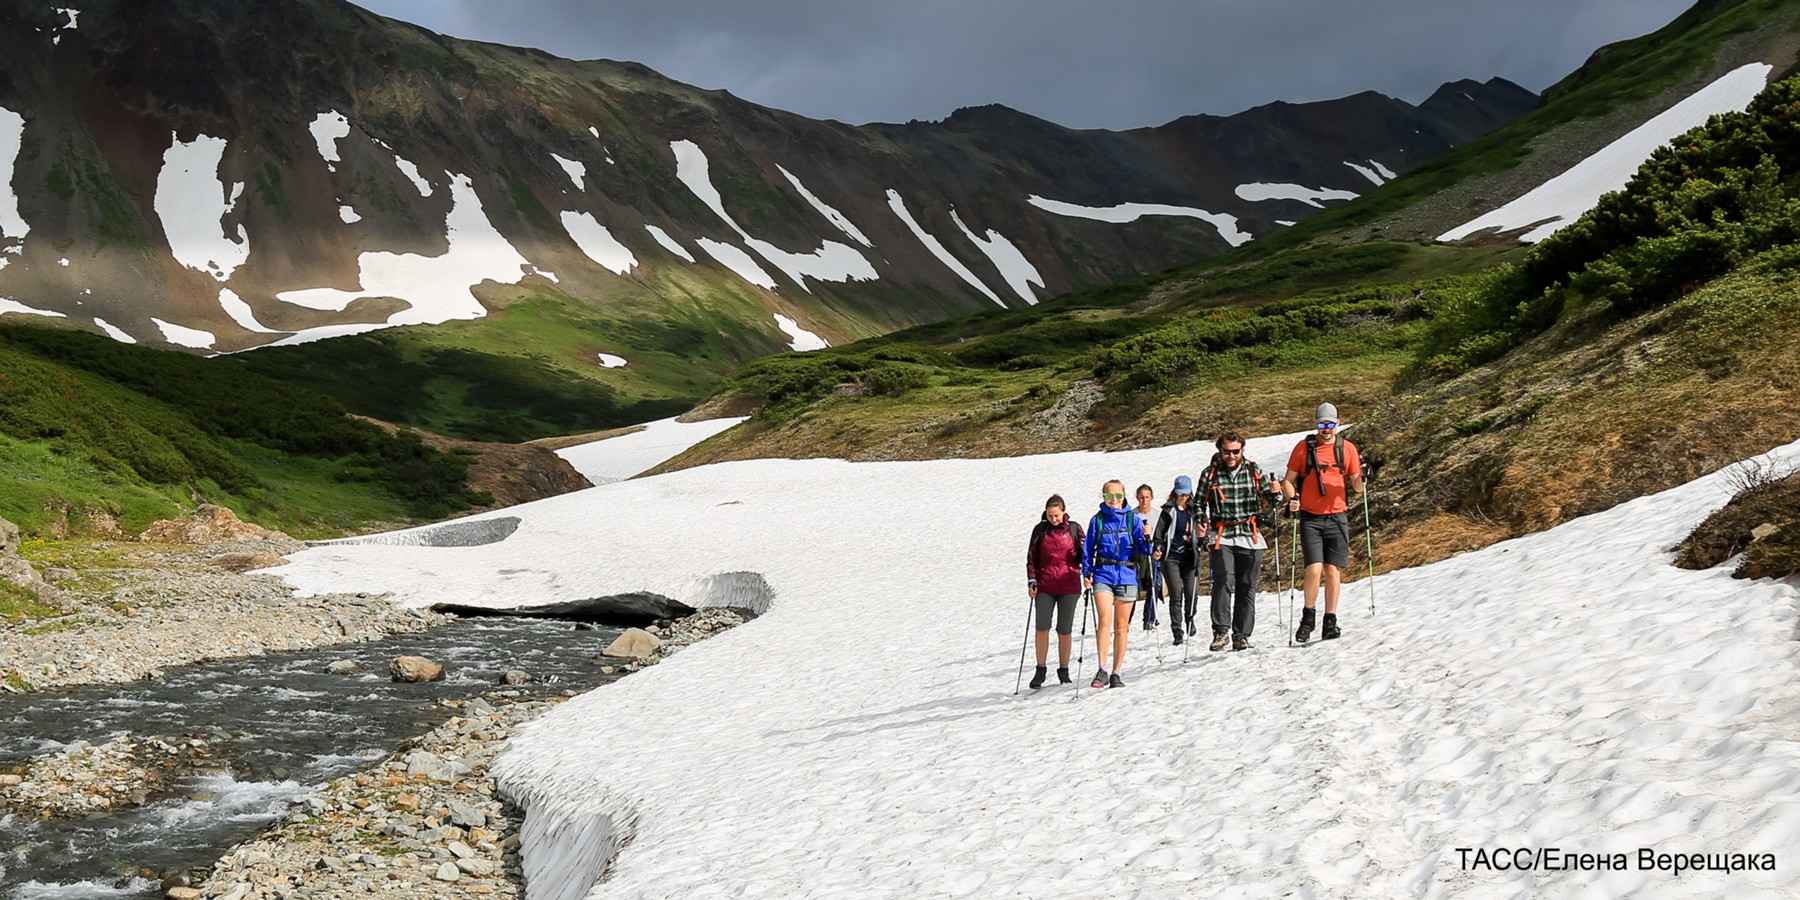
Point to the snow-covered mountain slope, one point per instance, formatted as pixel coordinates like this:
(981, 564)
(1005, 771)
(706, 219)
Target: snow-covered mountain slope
(1567, 690)
(1562, 199)
(306, 169)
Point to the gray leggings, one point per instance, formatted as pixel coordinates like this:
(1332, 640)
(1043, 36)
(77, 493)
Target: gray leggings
(1063, 604)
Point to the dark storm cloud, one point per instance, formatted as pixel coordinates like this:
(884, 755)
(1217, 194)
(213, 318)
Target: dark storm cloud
(1083, 63)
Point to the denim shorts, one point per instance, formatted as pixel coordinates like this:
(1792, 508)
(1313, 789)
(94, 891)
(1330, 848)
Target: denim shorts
(1120, 592)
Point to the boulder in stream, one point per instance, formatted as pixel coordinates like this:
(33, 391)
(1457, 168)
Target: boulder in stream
(635, 643)
(415, 669)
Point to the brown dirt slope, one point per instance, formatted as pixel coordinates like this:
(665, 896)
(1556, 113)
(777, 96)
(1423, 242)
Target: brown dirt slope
(1586, 416)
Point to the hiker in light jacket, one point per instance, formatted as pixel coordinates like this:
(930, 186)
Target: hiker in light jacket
(1115, 539)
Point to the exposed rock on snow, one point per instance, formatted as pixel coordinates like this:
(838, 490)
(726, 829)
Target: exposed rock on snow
(635, 643)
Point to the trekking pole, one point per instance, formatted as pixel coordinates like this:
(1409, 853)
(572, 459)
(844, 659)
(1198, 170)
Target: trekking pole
(1369, 535)
(1156, 591)
(1293, 573)
(1276, 548)
(1030, 601)
(1087, 597)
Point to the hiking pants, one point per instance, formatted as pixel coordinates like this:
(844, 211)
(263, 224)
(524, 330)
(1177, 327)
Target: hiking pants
(1179, 581)
(1234, 575)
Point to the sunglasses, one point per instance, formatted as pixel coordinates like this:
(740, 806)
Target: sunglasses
(1113, 496)
(1328, 426)
(1238, 452)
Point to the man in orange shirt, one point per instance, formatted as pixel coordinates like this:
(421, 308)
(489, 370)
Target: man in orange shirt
(1317, 473)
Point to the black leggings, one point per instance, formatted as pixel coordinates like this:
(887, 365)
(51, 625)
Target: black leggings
(1179, 578)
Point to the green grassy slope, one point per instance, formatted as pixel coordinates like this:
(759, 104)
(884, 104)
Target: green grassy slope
(90, 426)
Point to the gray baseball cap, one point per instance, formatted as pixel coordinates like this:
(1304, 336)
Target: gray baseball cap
(1327, 413)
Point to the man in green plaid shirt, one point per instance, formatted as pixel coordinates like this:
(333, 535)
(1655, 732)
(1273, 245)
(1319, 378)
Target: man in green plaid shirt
(1231, 494)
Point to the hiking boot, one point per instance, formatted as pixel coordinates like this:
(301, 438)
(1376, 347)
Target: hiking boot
(1177, 638)
(1304, 632)
(1115, 681)
(1099, 679)
(1330, 632)
(1190, 626)
(1219, 641)
(1240, 643)
(1037, 678)
(1062, 675)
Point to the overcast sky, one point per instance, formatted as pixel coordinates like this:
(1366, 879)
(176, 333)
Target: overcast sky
(1082, 63)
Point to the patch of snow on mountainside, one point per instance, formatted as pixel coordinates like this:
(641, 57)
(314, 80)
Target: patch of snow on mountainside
(12, 135)
(9, 305)
(937, 247)
(1366, 172)
(799, 338)
(183, 336)
(192, 204)
(1384, 171)
(1567, 689)
(114, 332)
(735, 259)
(830, 212)
(1018, 271)
(1564, 198)
(327, 129)
(609, 361)
(577, 171)
(349, 215)
(1260, 191)
(833, 261)
(598, 243)
(73, 14)
(1226, 223)
(411, 172)
(437, 287)
(668, 243)
(241, 313)
(618, 458)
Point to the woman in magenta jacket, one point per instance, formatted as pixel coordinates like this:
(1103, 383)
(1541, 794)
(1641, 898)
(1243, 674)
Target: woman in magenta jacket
(1053, 573)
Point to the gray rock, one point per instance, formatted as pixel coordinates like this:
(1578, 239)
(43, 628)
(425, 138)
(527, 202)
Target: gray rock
(460, 850)
(343, 667)
(466, 816)
(415, 669)
(515, 677)
(59, 573)
(447, 872)
(635, 643)
(421, 762)
(475, 866)
(9, 538)
(1764, 531)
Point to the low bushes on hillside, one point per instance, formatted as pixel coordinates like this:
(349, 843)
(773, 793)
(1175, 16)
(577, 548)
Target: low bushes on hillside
(1715, 197)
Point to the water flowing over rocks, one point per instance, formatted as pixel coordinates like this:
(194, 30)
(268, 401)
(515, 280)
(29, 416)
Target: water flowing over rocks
(160, 606)
(426, 822)
(82, 778)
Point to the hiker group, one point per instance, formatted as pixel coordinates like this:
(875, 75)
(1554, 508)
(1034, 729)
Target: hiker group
(1127, 553)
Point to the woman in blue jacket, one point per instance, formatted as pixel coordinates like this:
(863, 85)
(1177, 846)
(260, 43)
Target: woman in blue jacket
(1115, 539)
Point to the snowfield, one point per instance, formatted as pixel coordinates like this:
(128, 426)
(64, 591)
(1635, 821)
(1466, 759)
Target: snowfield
(1563, 199)
(1226, 223)
(1260, 191)
(1017, 271)
(597, 243)
(437, 288)
(1566, 690)
(192, 204)
(937, 248)
(12, 135)
(833, 261)
(619, 458)
(799, 339)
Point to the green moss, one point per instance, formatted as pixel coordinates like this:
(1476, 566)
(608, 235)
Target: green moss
(18, 604)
